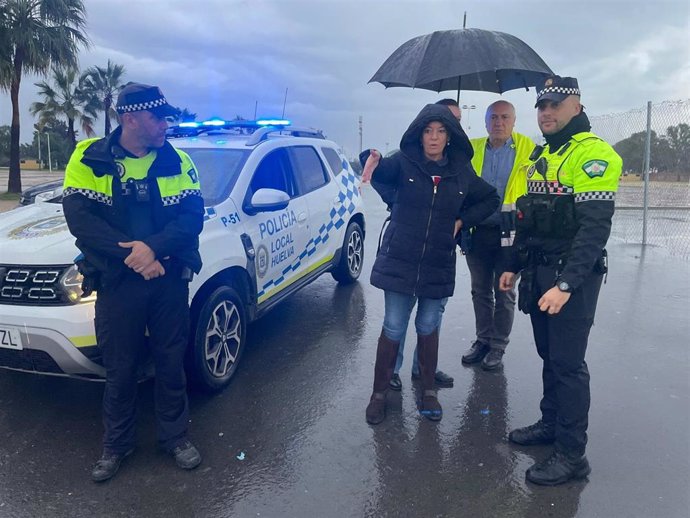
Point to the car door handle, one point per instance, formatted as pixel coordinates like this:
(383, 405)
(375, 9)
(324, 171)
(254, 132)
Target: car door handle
(336, 201)
(302, 217)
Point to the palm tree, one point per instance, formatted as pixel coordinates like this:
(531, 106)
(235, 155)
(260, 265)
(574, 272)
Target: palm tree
(102, 85)
(66, 99)
(33, 35)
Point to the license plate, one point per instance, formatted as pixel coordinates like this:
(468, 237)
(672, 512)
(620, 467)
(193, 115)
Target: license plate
(10, 338)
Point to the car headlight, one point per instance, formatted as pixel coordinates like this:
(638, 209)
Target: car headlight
(47, 195)
(71, 282)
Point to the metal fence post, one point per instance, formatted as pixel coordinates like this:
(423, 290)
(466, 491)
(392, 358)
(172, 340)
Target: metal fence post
(647, 153)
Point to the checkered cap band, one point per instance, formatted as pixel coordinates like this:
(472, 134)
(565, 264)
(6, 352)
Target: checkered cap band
(137, 107)
(558, 90)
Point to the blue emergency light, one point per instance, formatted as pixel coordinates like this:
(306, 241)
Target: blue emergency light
(273, 122)
(214, 122)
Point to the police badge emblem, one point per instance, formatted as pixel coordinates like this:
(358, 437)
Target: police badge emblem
(120, 169)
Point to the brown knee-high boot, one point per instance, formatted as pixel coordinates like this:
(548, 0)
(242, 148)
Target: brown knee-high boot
(427, 354)
(386, 354)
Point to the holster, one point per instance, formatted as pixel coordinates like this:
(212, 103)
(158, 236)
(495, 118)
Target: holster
(528, 291)
(91, 275)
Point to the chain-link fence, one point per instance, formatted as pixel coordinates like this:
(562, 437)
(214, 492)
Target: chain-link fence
(653, 201)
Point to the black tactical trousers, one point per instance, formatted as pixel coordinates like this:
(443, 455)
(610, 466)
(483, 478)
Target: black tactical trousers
(561, 341)
(124, 313)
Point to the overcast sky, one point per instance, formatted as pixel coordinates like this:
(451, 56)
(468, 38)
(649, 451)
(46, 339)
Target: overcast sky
(220, 57)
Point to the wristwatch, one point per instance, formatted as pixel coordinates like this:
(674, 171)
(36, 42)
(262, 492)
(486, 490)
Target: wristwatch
(563, 286)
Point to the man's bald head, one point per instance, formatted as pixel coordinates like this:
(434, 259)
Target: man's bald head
(500, 122)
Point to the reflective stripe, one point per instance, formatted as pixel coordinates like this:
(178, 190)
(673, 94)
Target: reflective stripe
(508, 241)
(546, 187)
(595, 195)
(92, 195)
(83, 341)
(176, 198)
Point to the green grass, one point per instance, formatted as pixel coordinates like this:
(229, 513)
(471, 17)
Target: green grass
(9, 196)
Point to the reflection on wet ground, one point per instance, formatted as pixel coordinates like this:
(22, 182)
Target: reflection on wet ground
(288, 437)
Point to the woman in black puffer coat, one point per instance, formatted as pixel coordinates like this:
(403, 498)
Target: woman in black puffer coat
(436, 193)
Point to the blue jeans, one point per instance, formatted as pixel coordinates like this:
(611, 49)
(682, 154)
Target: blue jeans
(397, 316)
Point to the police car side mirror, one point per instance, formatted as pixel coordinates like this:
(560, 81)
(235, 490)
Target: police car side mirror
(267, 200)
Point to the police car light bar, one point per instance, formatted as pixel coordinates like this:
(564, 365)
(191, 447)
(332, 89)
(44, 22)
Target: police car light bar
(214, 122)
(273, 122)
(192, 128)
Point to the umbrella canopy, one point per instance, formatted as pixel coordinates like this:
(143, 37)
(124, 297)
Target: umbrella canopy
(467, 59)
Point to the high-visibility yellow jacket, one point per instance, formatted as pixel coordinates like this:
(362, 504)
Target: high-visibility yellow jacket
(517, 181)
(96, 205)
(569, 204)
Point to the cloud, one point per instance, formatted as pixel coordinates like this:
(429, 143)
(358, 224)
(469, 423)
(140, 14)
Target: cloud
(228, 57)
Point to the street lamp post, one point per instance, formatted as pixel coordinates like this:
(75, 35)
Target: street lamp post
(469, 108)
(50, 164)
(38, 137)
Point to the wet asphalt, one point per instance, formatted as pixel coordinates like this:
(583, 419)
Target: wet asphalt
(288, 438)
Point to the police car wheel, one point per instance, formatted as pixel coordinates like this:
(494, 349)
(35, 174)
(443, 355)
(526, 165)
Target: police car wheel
(219, 339)
(352, 256)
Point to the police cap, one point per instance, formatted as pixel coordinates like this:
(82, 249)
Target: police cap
(557, 88)
(136, 97)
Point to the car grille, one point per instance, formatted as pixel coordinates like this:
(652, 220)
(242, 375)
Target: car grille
(29, 360)
(32, 285)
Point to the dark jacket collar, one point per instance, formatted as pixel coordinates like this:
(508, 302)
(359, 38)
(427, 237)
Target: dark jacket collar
(577, 124)
(100, 157)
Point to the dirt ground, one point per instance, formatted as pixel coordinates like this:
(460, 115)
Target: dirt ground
(6, 205)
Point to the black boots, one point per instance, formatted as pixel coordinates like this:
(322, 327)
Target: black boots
(107, 466)
(559, 468)
(386, 354)
(493, 360)
(537, 433)
(475, 353)
(186, 455)
(427, 353)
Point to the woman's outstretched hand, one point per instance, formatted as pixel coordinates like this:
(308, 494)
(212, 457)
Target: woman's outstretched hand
(370, 165)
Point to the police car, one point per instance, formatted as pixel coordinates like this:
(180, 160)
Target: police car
(283, 206)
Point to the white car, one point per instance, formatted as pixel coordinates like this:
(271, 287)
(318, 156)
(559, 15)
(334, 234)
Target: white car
(283, 206)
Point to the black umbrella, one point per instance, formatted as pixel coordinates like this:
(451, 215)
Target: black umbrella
(467, 59)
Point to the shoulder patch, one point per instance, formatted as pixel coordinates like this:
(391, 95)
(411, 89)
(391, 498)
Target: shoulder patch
(193, 176)
(594, 168)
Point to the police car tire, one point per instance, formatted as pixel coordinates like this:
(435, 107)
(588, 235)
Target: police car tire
(223, 301)
(352, 255)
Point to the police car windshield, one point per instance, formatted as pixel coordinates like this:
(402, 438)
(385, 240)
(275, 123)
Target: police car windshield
(218, 171)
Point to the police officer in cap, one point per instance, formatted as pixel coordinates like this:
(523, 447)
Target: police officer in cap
(563, 223)
(134, 204)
